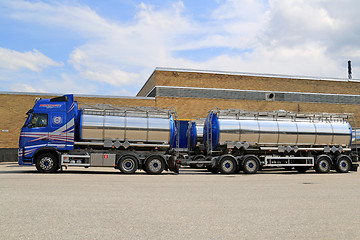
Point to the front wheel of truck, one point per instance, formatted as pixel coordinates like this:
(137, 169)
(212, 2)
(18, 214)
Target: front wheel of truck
(47, 163)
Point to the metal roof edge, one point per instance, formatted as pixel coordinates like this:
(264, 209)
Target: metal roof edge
(76, 95)
(244, 90)
(256, 74)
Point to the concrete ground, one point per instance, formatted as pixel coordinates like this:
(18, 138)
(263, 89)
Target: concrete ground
(101, 203)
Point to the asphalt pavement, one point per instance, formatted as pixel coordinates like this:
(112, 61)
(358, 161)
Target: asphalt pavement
(102, 203)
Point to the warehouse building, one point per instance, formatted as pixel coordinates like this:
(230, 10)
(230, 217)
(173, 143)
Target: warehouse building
(194, 92)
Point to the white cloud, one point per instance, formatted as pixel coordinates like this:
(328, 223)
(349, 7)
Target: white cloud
(239, 10)
(79, 18)
(112, 77)
(123, 92)
(69, 83)
(31, 60)
(287, 37)
(319, 32)
(23, 87)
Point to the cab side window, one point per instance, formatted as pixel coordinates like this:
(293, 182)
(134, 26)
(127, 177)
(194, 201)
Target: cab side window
(38, 120)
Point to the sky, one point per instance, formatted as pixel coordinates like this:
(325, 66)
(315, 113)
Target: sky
(111, 47)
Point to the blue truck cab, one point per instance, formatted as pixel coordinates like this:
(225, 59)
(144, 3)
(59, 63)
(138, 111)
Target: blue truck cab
(48, 130)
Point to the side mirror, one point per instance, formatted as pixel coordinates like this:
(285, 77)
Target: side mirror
(30, 111)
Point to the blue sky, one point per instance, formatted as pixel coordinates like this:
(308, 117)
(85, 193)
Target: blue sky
(111, 47)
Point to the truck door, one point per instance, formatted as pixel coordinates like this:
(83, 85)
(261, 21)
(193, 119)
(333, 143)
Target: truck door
(37, 131)
(57, 130)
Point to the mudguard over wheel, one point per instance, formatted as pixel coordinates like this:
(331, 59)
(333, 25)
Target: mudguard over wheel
(227, 165)
(128, 164)
(155, 165)
(47, 163)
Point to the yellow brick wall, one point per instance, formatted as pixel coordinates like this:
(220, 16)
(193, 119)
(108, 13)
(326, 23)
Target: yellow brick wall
(208, 80)
(14, 107)
(13, 110)
(132, 102)
(189, 108)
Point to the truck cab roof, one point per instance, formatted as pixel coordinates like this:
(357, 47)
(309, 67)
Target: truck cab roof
(57, 104)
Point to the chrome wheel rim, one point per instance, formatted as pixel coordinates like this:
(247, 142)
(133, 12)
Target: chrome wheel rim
(46, 163)
(343, 165)
(250, 165)
(227, 166)
(155, 165)
(128, 164)
(324, 166)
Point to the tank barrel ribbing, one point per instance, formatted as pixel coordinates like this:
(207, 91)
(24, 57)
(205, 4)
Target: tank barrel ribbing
(134, 124)
(275, 128)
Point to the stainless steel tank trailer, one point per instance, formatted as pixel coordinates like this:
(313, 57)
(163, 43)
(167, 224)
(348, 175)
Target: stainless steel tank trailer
(58, 134)
(237, 140)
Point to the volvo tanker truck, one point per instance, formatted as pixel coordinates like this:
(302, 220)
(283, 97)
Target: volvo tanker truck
(237, 140)
(58, 134)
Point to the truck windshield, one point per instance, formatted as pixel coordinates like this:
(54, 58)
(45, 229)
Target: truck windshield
(37, 120)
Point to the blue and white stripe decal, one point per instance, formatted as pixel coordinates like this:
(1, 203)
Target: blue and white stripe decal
(65, 134)
(63, 138)
(28, 151)
(71, 107)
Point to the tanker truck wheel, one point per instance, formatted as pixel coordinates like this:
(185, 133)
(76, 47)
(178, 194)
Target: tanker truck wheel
(227, 165)
(154, 165)
(343, 164)
(323, 164)
(47, 163)
(128, 164)
(250, 164)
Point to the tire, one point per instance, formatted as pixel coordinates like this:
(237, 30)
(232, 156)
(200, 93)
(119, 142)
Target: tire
(128, 164)
(343, 164)
(47, 163)
(323, 164)
(227, 165)
(154, 165)
(250, 165)
(301, 169)
(212, 170)
(199, 158)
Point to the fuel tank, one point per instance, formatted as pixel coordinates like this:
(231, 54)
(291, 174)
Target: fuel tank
(141, 124)
(275, 130)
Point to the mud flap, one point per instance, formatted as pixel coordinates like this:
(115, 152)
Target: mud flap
(174, 164)
(354, 167)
